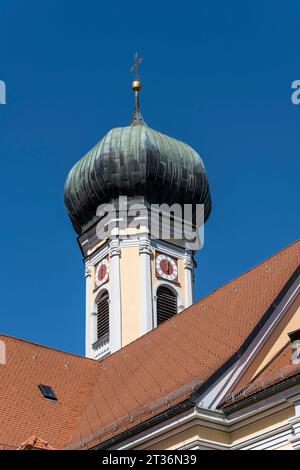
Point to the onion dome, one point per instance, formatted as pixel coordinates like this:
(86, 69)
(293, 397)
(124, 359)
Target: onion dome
(140, 163)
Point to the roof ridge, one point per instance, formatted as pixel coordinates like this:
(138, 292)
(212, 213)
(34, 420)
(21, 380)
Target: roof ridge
(246, 272)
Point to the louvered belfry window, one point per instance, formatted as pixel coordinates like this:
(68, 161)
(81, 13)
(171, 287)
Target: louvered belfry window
(103, 317)
(166, 304)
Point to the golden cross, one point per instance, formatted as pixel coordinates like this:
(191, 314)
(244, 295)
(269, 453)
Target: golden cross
(134, 68)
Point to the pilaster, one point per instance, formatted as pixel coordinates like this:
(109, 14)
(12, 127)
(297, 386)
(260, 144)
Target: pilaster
(88, 319)
(188, 273)
(115, 321)
(145, 253)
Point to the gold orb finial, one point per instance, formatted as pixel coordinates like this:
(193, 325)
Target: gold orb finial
(136, 88)
(136, 85)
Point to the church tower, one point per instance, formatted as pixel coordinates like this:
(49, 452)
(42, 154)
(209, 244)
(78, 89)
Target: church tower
(126, 199)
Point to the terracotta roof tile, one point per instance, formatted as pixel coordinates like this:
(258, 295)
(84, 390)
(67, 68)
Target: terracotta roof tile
(35, 442)
(24, 412)
(98, 400)
(280, 361)
(185, 351)
(278, 370)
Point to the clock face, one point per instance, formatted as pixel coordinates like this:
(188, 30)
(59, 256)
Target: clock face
(166, 267)
(102, 272)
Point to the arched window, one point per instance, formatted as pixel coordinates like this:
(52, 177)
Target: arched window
(166, 304)
(103, 317)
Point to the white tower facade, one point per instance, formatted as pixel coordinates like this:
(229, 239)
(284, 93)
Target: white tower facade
(143, 280)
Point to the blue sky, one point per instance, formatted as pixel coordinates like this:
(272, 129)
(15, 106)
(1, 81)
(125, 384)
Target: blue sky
(215, 74)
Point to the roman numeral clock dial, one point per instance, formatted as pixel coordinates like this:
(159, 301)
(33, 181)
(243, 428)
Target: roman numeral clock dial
(102, 273)
(166, 267)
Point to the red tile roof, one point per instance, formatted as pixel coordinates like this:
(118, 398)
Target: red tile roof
(139, 381)
(278, 370)
(280, 361)
(99, 400)
(23, 410)
(35, 442)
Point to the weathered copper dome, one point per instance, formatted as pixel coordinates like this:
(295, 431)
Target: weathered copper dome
(135, 161)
